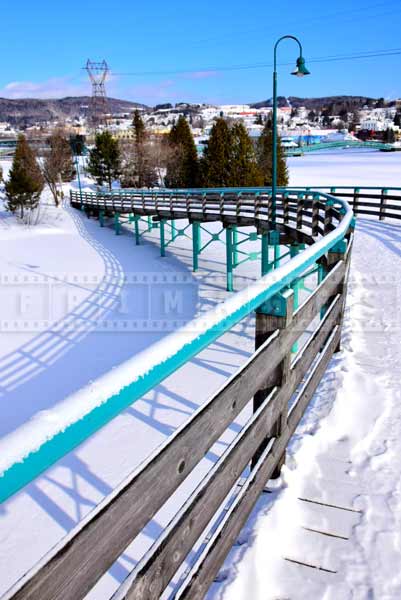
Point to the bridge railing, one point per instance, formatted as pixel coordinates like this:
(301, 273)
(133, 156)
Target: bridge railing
(278, 383)
(380, 202)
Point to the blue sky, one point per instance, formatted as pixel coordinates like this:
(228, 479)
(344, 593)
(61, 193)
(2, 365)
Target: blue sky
(173, 51)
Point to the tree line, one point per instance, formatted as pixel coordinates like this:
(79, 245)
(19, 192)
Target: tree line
(230, 158)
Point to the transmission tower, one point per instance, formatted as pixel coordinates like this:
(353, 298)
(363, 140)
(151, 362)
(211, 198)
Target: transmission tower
(97, 72)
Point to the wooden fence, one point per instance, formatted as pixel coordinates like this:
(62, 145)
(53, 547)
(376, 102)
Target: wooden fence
(277, 383)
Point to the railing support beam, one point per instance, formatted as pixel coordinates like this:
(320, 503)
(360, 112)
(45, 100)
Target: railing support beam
(272, 315)
(229, 259)
(196, 245)
(117, 224)
(162, 238)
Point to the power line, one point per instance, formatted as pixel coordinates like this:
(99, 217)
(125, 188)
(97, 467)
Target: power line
(309, 21)
(332, 58)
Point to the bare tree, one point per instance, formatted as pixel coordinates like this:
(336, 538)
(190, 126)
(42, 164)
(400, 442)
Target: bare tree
(161, 155)
(58, 166)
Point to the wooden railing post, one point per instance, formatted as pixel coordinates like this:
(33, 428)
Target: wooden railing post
(340, 252)
(382, 212)
(355, 205)
(300, 208)
(315, 215)
(272, 315)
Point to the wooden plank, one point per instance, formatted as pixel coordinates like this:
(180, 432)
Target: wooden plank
(208, 564)
(308, 353)
(154, 572)
(264, 326)
(77, 562)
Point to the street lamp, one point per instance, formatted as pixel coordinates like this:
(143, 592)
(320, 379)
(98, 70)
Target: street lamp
(299, 71)
(74, 147)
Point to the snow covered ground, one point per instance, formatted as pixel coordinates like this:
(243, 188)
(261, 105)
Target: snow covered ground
(330, 528)
(346, 448)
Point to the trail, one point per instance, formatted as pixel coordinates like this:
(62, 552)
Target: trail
(331, 527)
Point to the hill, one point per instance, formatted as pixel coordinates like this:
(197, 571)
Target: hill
(316, 103)
(30, 111)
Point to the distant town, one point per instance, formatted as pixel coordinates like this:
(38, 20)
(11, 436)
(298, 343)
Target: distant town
(300, 121)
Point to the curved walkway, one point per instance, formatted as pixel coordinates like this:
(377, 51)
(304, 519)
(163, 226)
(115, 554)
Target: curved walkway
(38, 517)
(333, 531)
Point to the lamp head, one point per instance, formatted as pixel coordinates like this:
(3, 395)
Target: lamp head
(300, 70)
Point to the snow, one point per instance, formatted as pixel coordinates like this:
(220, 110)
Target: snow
(346, 453)
(133, 378)
(40, 368)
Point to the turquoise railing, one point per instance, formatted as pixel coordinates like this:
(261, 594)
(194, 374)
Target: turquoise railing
(94, 406)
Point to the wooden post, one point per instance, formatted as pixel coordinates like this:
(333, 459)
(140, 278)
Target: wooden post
(300, 208)
(383, 205)
(315, 215)
(286, 213)
(336, 254)
(274, 314)
(355, 206)
(328, 217)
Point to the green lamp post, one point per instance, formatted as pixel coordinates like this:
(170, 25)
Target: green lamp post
(300, 71)
(74, 147)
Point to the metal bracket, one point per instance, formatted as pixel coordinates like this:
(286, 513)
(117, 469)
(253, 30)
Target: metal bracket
(274, 238)
(277, 305)
(339, 248)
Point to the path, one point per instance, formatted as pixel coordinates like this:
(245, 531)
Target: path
(333, 531)
(38, 369)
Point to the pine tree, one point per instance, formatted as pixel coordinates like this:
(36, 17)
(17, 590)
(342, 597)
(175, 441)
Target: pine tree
(25, 182)
(388, 136)
(183, 166)
(264, 150)
(58, 164)
(137, 169)
(139, 127)
(104, 159)
(217, 156)
(244, 170)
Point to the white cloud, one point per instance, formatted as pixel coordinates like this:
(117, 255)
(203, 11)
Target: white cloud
(201, 74)
(56, 87)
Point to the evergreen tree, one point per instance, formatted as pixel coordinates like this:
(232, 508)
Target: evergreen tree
(77, 143)
(25, 182)
(183, 166)
(229, 159)
(217, 156)
(264, 151)
(139, 127)
(137, 164)
(388, 136)
(58, 164)
(104, 159)
(244, 170)
(397, 118)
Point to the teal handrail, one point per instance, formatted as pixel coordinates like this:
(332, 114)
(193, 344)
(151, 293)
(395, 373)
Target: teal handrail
(23, 459)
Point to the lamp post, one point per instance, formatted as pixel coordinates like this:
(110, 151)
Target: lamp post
(300, 71)
(74, 148)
